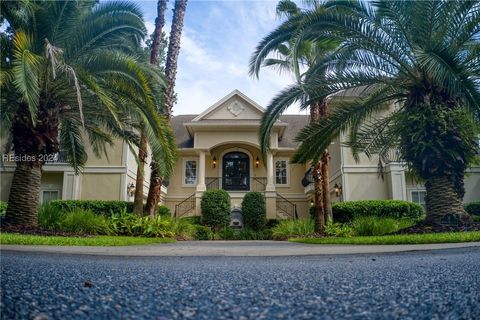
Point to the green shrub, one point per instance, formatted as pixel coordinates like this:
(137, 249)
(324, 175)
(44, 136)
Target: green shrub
(193, 219)
(84, 221)
(271, 223)
(336, 229)
(122, 223)
(102, 207)
(3, 208)
(376, 226)
(164, 211)
(128, 224)
(476, 218)
(348, 210)
(50, 217)
(215, 206)
(293, 228)
(203, 233)
(473, 208)
(253, 211)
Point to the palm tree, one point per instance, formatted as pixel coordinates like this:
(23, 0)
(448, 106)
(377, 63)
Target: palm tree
(307, 54)
(156, 177)
(420, 57)
(142, 150)
(70, 72)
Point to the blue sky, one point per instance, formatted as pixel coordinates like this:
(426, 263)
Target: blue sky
(217, 42)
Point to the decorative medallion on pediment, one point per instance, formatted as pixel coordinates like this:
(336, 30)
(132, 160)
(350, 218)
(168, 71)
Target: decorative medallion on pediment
(236, 108)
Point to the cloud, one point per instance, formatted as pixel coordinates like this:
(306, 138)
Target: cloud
(217, 42)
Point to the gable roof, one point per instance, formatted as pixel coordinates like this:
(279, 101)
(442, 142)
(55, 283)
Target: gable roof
(219, 103)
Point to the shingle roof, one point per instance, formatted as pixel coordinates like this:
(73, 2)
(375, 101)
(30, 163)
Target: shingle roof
(181, 134)
(295, 124)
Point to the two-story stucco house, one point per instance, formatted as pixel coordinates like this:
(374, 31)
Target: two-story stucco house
(219, 149)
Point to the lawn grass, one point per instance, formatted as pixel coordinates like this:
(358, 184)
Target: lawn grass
(449, 237)
(25, 239)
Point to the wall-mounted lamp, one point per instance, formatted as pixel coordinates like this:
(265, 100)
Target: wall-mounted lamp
(257, 162)
(311, 203)
(214, 162)
(338, 189)
(131, 189)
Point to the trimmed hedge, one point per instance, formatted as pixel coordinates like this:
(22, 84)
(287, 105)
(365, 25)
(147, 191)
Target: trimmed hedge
(473, 208)
(346, 211)
(215, 206)
(253, 211)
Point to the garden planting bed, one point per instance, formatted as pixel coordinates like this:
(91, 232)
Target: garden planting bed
(42, 232)
(423, 227)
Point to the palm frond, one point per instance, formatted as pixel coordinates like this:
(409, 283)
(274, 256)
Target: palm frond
(26, 69)
(277, 106)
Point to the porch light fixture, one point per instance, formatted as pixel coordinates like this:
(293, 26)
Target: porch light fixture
(214, 162)
(131, 189)
(257, 162)
(338, 189)
(311, 203)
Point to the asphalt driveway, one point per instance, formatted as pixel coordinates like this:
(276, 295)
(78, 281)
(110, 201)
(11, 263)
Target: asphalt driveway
(440, 284)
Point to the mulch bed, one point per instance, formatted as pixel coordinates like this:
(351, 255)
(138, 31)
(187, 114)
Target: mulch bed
(42, 232)
(423, 227)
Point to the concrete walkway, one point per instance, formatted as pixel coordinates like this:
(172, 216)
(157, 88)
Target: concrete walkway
(234, 248)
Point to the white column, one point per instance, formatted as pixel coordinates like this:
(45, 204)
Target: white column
(201, 172)
(397, 183)
(270, 173)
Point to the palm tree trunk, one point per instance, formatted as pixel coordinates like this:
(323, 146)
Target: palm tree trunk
(157, 33)
(442, 199)
(170, 74)
(142, 152)
(327, 205)
(319, 213)
(154, 191)
(318, 196)
(173, 52)
(30, 143)
(142, 159)
(24, 197)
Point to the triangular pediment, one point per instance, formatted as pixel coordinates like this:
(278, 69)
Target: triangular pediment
(234, 106)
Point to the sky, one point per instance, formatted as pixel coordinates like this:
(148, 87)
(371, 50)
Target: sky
(217, 41)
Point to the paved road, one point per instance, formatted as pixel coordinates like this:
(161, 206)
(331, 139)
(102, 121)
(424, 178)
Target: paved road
(440, 284)
(234, 248)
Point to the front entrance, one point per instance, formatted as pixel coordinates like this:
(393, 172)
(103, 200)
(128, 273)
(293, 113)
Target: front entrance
(236, 171)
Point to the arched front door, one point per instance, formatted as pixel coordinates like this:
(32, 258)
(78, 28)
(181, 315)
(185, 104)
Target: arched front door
(236, 171)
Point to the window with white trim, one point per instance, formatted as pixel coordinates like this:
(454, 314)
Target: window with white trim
(418, 196)
(281, 169)
(190, 172)
(49, 195)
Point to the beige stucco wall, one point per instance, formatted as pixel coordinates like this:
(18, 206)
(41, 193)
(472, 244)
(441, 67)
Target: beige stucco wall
(364, 186)
(5, 182)
(472, 186)
(101, 186)
(335, 157)
(115, 155)
(209, 140)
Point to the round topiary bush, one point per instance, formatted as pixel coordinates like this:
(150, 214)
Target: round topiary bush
(215, 208)
(253, 211)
